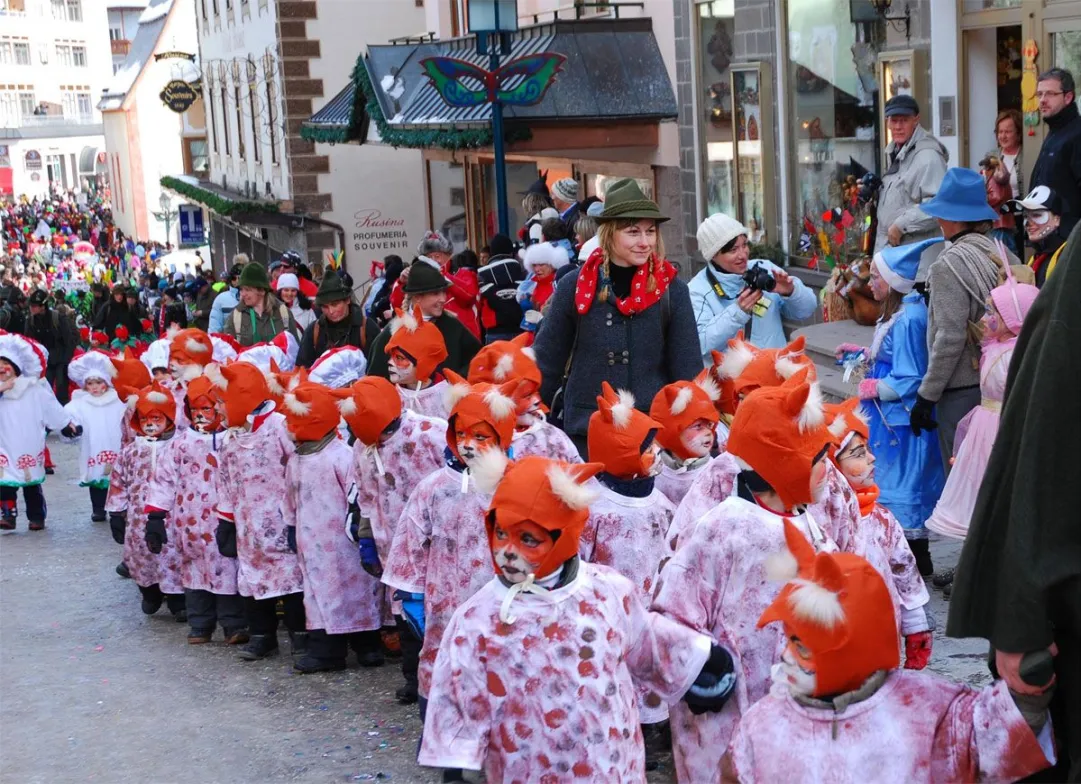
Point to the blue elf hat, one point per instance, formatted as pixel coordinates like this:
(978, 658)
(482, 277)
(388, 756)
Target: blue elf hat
(898, 265)
(961, 197)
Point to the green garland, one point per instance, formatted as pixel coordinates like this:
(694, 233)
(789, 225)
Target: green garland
(327, 135)
(214, 202)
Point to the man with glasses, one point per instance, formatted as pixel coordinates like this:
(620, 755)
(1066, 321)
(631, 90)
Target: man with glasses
(1059, 164)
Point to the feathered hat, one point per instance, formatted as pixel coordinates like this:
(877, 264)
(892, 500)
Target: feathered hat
(768, 367)
(338, 367)
(679, 405)
(156, 355)
(549, 493)
(619, 433)
(130, 371)
(503, 360)
(191, 350)
(777, 432)
(419, 340)
(26, 354)
(838, 605)
(482, 403)
(373, 404)
(845, 420)
(311, 411)
(91, 364)
(242, 387)
(153, 398)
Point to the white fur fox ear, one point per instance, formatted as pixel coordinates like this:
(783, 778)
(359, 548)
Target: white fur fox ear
(405, 320)
(813, 413)
(455, 393)
(172, 331)
(681, 401)
(157, 397)
(504, 367)
(272, 384)
(816, 603)
(781, 567)
(193, 346)
(499, 404)
(736, 359)
(569, 489)
(295, 406)
(213, 372)
(623, 409)
(488, 468)
(347, 406)
(839, 427)
(706, 383)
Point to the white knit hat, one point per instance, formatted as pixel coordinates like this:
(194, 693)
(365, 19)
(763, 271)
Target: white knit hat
(544, 253)
(717, 231)
(287, 280)
(566, 190)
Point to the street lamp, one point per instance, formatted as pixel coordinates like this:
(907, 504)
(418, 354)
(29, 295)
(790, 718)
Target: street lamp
(167, 214)
(493, 21)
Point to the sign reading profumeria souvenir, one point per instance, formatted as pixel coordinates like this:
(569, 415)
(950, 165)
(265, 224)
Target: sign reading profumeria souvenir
(178, 95)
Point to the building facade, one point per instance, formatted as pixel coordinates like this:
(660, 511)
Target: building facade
(123, 24)
(54, 61)
(146, 139)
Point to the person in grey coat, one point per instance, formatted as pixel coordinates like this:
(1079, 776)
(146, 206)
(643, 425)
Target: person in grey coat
(624, 317)
(915, 165)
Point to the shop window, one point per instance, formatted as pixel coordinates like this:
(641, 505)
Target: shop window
(1066, 49)
(834, 98)
(716, 32)
(198, 163)
(968, 6)
(446, 201)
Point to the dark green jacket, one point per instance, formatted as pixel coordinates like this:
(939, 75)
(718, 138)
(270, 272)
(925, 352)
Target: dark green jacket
(462, 346)
(250, 328)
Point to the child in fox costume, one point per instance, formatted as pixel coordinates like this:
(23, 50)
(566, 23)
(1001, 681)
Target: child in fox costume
(717, 581)
(251, 478)
(183, 491)
(416, 349)
(395, 450)
(131, 374)
(687, 414)
(438, 554)
(342, 602)
(503, 360)
(537, 676)
(99, 412)
(840, 710)
(156, 573)
(879, 537)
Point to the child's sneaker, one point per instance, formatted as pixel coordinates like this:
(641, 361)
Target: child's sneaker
(7, 523)
(36, 525)
(200, 636)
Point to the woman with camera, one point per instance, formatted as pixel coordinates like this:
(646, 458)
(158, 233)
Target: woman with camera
(732, 293)
(623, 317)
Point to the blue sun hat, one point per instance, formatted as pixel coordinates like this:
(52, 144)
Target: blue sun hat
(898, 265)
(961, 197)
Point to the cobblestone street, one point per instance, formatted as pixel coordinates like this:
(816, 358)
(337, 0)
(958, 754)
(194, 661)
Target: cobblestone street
(95, 691)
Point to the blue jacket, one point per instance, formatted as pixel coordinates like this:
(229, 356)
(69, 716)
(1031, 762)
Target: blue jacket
(718, 320)
(901, 361)
(222, 307)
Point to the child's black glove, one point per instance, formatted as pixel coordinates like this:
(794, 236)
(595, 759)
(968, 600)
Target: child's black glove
(71, 431)
(291, 538)
(714, 685)
(225, 536)
(155, 532)
(118, 521)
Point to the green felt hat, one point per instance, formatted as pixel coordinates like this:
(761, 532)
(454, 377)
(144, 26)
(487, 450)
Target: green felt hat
(332, 289)
(624, 200)
(254, 276)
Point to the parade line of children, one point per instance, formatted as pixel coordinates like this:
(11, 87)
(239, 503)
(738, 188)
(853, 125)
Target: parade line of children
(723, 564)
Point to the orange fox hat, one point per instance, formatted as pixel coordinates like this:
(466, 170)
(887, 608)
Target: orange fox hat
(726, 367)
(768, 367)
(152, 398)
(279, 381)
(617, 433)
(198, 387)
(839, 607)
(549, 493)
(130, 371)
(845, 420)
(677, 406)
(311, 410)
(418, 339)
(242, 388)
(777, 432)
(487, 403)
(191, 349)
(372, 405)
(503, 360)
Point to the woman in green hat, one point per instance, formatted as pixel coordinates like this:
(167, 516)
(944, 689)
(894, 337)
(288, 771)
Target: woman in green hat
(624, 317)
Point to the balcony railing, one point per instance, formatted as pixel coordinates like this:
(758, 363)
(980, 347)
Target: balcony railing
(46, 121)
(121, 47)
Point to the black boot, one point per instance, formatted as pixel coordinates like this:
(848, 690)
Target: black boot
(259, 647)
(298, 644)
(921, 548)
(177, 606)
(152, 599)
(7, 523)
(308, 664)
(407, 693)
(122, 570)
(369, 648)
(942, 579)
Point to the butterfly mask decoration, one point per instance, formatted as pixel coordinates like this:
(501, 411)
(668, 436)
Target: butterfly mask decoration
(520, 82)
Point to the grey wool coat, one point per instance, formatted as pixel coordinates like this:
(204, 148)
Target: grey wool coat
(638, 353)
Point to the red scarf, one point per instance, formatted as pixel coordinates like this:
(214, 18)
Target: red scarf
(638, 300)
(867, 498)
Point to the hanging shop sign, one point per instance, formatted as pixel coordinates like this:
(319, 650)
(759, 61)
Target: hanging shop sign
(178, 95)
(32, 159)
(175, 56)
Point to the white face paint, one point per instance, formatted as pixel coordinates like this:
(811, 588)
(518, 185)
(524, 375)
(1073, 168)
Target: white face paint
(652, 458)
(401, 370)
(153, 424)
(698, 438)
(799, 680)
(534, 414)
(819, 481)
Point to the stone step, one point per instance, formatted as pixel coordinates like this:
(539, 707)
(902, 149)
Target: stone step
(831, 381)
(823, 339)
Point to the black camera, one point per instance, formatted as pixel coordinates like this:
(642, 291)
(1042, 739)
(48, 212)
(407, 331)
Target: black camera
(758, 278)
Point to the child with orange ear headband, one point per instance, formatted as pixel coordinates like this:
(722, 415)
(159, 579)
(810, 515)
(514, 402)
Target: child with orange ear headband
(842, 711)
(183, 491)
(538, 670)
(415, 350)
(718, 579)
(688, 417)
(879, 537)
(342, 606)
(155, 571)
(436, 558)
(395, 450)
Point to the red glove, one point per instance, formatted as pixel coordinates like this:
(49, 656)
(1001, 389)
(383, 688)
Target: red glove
(918, 650)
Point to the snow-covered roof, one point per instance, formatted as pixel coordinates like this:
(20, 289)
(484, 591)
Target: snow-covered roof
(151, 23)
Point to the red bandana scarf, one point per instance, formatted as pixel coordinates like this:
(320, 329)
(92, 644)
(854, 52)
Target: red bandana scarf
(638, 300)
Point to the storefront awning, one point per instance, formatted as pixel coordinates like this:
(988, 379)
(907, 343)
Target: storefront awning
(613, 72)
